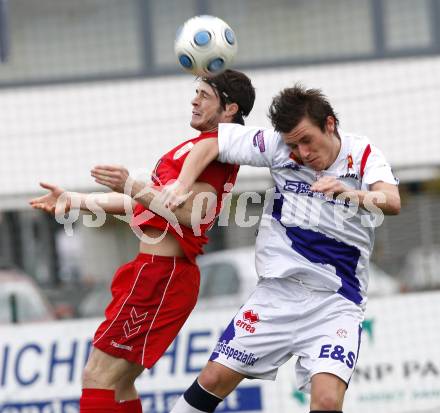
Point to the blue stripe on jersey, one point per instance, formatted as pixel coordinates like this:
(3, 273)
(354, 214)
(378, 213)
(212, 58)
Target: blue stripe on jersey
(320, 249)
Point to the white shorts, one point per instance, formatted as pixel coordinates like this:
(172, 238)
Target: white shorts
(283, 318)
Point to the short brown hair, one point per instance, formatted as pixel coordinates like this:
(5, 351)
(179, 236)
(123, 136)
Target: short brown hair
(293, 104)
(233, 86)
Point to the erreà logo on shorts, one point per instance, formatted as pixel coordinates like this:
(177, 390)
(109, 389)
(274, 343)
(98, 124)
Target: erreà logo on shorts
(117, 345)
(249, 318)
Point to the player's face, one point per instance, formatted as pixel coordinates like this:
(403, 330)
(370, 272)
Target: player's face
(315, 148)
(207, 112)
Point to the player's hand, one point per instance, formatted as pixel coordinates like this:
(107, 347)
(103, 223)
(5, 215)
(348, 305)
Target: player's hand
(174, 194)
(112, 176)
(49, 202)
(329, 185)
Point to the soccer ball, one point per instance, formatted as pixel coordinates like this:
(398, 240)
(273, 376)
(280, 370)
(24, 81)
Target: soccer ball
(205, 46)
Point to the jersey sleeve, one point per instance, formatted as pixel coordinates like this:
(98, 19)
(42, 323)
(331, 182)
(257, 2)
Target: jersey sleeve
(375, 168)
(246, 145)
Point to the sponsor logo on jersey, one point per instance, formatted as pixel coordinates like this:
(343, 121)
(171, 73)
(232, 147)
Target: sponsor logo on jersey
(349, 175)
(350, 164)
(303, 188)
(291, 165)
(183, 150)
(349, 161)
(299, 187)
(258, 141)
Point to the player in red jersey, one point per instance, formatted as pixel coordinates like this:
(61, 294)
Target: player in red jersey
(153, 295)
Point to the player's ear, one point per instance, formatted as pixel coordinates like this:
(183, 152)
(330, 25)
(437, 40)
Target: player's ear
(330, 124)
(231, 109)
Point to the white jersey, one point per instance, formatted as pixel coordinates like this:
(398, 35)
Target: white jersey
(323, 242)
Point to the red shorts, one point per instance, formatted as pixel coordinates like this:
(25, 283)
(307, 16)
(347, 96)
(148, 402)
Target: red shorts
(152, 298)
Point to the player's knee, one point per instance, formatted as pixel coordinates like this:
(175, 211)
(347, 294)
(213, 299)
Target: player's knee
(211, 379)
(326, 401)
(219, 380)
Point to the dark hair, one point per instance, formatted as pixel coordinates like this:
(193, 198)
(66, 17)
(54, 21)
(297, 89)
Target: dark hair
(234, 87)
(293, 104)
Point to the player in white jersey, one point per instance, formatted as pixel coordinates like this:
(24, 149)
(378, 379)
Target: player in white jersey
(313, 247)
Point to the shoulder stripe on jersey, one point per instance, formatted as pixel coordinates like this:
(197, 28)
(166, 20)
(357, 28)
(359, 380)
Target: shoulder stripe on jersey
(365, 156)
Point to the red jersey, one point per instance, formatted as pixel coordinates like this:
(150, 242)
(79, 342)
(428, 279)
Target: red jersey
(168, 168)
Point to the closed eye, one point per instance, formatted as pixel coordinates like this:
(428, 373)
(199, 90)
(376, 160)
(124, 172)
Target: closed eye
(305, 140)
(201, 93)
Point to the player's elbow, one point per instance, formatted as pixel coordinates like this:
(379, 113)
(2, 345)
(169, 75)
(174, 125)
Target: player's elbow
(395, 210)
(394, 206)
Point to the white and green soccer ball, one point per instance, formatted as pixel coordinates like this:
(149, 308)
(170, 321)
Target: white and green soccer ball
(205, 46)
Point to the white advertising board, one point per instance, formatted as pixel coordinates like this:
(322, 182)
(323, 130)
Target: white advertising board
(398, 369)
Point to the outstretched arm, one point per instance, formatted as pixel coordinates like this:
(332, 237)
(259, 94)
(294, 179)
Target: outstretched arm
(195, 208)
(58, 200)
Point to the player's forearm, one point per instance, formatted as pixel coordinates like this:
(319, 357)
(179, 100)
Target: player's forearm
(146, 196)
(201, 155)
(386, 201)
(110, 203)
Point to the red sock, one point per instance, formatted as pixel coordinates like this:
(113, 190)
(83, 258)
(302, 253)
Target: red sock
(97, 401)
(130, 406)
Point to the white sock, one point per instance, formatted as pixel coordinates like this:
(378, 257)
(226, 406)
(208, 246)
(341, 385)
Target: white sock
(183, 407)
